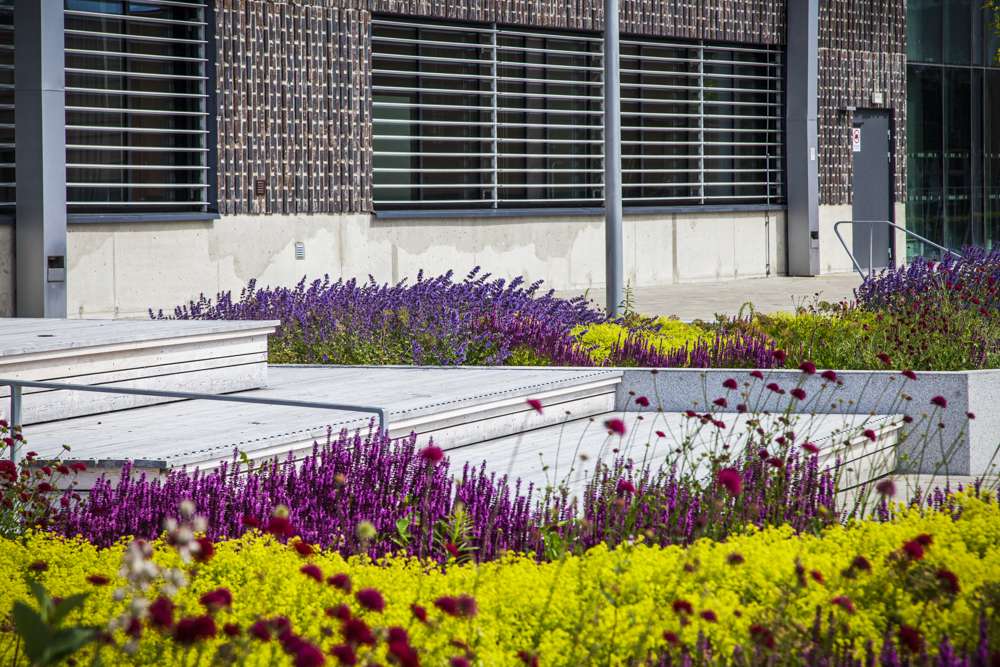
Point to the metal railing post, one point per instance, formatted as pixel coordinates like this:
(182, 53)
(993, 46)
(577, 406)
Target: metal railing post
(871, 225)
(15, 422)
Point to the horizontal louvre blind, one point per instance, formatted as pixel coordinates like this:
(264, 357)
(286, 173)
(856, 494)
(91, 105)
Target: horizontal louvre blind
(504, 118)
(6, 107)
(136, 116)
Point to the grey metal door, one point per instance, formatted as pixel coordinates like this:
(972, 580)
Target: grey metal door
(872, 193)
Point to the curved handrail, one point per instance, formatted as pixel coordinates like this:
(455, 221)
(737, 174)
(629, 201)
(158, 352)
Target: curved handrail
(870, 224)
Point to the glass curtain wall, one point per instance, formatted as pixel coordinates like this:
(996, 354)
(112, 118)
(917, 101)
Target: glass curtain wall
(6, 107)
(953, 126)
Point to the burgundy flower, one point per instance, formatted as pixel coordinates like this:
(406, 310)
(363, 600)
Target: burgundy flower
(62, 470)
(886, 487)
(357, 632)
(709, 616)
(907, 419)
(661, 434)
(250, 522)
(344, 654)
(883, 357)
(861, 563)
(829, 376)
(47, 470)
(870, 434)
(218, 599)
(730, 480)
(721, 402)
(452, 549)
(79, 467)
(529, 658)
(193, 629)
(757, 374)
(817, 576)
(616, 426)
(161, 613)
(466, 606)
(682, 607)
(404, 654)
(924, 540)
(909, 375)
(642, 401)
(371, 599)
(948, 581)
(970, 415)
(780, 356)
(313, 572)
(773, 386)
(807, 367)
(671, 638)
(798, 393)
(730, 384)
(39, 566)
(910, 638)
(205, 550)
(418, 612)
(308, 655)
(844, 603)
(625, 486)
(535, 404)
(775, 462)
(304, 549)
(260, 630)
(431, 454)
(913, 550)
(98, 579)
(231, 630)
(341, 581)
(939, 401)
(809, 447)
(459, 661)
(741, 408)
(341, 612)
(397, 634)
(280, 526)
(447, 604)
(735, 559)
(762, 636)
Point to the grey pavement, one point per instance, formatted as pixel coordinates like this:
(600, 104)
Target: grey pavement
(691, 301)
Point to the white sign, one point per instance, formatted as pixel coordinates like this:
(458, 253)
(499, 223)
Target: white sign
(856, 139)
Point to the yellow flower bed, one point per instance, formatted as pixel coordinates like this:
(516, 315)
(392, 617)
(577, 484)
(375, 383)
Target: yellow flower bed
(665, 335)
(611, 605)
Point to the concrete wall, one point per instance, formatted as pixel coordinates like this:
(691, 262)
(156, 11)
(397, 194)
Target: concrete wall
(122, 269)
(832, 256)
(6, 270)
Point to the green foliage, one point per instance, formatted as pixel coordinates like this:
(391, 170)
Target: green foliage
(45, 643)
(994, 24)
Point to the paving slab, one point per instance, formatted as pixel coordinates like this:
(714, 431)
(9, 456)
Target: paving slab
(691, 301)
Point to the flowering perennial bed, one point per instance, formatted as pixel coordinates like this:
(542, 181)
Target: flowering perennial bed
(902, 318)
(925, 583)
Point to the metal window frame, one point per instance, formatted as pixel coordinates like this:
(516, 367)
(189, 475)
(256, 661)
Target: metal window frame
(197, 178)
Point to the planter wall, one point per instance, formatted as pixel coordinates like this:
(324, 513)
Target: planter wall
(969, 446)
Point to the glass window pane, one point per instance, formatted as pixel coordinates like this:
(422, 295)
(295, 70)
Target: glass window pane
(958, 31)
(991, 175)
(924, 158)
(924, 21)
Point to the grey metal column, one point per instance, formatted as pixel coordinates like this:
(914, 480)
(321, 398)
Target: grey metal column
(40, 164)
(801, 143)
(612, 161)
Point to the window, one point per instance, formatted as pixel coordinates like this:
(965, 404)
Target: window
(498, 117)
(6, 107)
(136, 106)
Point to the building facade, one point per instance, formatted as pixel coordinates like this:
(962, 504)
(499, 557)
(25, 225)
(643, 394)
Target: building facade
(210, 142)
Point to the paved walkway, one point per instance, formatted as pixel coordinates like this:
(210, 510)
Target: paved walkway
(690, 301)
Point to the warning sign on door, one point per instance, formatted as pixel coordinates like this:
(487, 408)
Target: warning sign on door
(856, 139)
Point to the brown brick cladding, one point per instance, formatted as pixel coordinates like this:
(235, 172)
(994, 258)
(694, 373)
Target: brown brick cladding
(757, 21)
(294, 105)
(862, 50)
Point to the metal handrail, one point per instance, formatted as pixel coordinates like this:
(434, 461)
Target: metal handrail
(871, 224)
(16, 402)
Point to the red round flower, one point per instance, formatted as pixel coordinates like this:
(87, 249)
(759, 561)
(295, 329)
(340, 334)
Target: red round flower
(807, 367)
(431, 454)
(913, 550)
(231, 630)
(883, 357)
(909, 375)
(341, 581)
(709, 616)
(762, 636)
(829, 376)
(861, 563)
(304, 549)
(218, 599)
(341, 612)
(798, 393)
(730, 384)
(910, 638)
(729, 479)
(193, 629)
(642, 401)
(371, 599)
(757, 374)
(886, 487)
(844, 603)
(939, 401)
(682, 606)
(870, 434)
(98, 579)
(280, 526)
(948, 581)
(624, 486)
(671, 638)
(780, 356)
(161, 613)
(418, 612)
(616, 426)
(809, 447)
(721, 402)
(79, 467)
(313, 572)
(344, 654)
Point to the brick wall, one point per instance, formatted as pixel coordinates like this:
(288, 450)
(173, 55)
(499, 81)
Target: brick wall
(294, 101)
(862, 50)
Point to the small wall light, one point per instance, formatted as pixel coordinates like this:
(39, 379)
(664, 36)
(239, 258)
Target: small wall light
(300, 251)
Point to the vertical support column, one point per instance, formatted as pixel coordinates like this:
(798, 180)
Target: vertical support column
(802, 163)
(40, 137)
(17, 448)
(612, 161)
